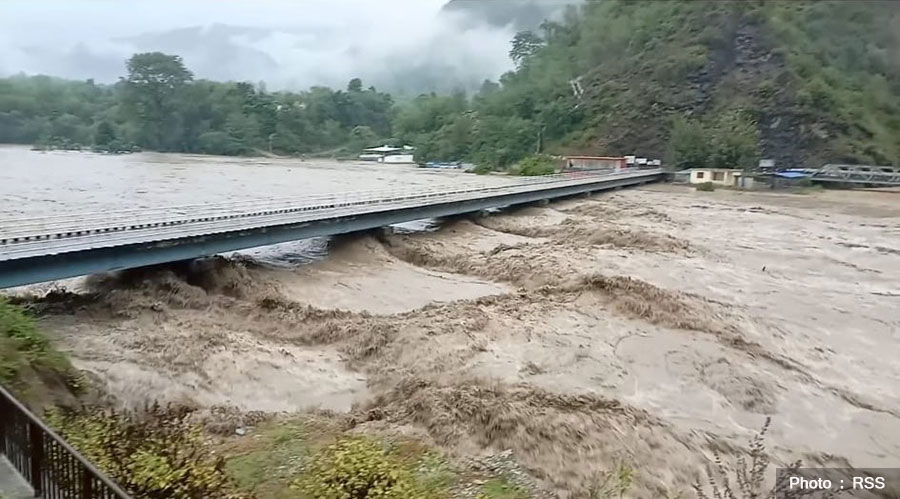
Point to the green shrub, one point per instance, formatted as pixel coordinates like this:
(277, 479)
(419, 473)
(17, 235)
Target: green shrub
(357, 467)
(535, 165)
(155, 454)
(706, 187)
(22, 346)
(613, 483)
(482, 169)
(220, 143)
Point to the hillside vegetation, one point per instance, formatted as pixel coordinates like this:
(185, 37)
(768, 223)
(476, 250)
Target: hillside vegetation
(801, 82)
(697, 83)
(159, 105)
(29, 365)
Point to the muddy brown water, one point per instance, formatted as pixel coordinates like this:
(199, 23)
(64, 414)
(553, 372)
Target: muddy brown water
(44, 183)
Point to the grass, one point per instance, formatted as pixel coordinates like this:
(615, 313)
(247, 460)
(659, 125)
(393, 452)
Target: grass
(706, 187)
(289, 458)
(266, 462)
(501, 488)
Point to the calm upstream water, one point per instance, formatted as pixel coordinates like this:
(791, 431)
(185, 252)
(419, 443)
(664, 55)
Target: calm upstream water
(43, 183)
(36, 183)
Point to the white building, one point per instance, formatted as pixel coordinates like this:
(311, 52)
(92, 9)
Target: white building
(389, 154)
(718, 176)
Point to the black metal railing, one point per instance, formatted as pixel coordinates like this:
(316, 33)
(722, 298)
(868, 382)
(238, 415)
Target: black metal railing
(53, 468)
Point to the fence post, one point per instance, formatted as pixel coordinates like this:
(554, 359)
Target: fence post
(36, 439)
(87, 484)
(6, 414)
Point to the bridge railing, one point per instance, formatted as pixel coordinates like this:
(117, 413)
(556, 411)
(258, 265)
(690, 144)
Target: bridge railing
(53, 468)
(862, 174)
(38, 228)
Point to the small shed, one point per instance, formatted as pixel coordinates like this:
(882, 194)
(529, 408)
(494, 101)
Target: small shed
(719, 176)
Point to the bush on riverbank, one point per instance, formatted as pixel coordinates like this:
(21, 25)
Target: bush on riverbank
(28, 362)
(357, 467)
(482, 169)
(153, 454)
(533, 166)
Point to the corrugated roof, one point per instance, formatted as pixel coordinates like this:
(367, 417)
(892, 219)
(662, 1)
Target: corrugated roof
(791, 174)
(382, 149)
(596, 157)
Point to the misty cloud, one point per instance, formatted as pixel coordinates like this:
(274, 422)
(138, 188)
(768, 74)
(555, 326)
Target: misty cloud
(402, 45)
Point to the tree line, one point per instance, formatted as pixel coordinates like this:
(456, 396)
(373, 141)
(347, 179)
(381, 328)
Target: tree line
(160, 106)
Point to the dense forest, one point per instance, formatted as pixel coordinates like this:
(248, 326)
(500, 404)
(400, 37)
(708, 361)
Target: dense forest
(160, 106)
(720, 83)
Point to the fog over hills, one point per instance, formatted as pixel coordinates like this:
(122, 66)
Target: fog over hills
(405, 46)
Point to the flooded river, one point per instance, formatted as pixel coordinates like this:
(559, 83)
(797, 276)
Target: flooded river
(43, 183)
(36, 183)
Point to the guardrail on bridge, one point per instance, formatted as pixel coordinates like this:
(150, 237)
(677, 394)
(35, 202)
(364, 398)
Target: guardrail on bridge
(63, 226)
(53, 468)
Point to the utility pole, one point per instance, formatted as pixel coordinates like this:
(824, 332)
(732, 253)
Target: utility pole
(540, 139)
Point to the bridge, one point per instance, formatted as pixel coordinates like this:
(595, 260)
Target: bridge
(859, 174)
(40, 249)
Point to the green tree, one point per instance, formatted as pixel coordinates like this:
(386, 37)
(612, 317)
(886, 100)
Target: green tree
(152, 88)
(104, 134)
(536, 165)
(735, 141)
(219, 143)
(361, 137)
(689, 144)
(524, 45)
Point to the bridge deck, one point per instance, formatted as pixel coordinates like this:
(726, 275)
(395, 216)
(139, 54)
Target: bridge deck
(23, 238)
(47, 248)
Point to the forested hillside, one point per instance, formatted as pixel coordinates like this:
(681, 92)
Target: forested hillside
(720, 83)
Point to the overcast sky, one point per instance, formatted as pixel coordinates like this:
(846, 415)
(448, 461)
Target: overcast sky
(287, 44)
